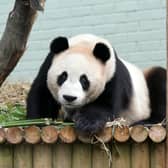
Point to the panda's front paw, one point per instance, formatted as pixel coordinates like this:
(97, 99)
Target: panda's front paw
(87, 126)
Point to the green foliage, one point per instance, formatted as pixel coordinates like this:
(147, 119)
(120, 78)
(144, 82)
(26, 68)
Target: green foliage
(10, 112)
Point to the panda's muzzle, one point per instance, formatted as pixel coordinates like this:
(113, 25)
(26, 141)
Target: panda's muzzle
(69, 98)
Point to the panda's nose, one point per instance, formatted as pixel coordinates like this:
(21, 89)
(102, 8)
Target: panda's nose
(69, 98)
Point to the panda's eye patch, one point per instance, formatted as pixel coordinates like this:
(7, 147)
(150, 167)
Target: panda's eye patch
(62, 78)
(84, 82)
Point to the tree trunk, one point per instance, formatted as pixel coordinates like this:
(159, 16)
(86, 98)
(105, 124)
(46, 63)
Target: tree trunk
(15, 36)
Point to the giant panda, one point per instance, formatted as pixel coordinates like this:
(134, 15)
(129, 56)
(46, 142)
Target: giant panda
(84, 77)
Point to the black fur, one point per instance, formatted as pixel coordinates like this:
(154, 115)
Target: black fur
(156, 81)
(91, 118)
(101, 51)
(40, 103)
(115, 98)
(59, 44)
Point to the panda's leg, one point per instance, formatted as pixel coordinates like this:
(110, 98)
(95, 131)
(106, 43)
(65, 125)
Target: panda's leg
(91, 119)
(40, 102)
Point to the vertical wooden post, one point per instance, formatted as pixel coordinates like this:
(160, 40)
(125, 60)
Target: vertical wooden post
(167, 83)
(81, 155)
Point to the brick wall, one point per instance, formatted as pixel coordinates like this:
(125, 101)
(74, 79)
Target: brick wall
(136, 28)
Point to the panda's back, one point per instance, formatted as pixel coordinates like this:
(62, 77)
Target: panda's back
(139, 107)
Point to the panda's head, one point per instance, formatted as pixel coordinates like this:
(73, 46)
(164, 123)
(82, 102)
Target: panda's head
(80, 69)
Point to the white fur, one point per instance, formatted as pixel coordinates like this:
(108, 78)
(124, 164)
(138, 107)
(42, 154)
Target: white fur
(139, 108)
(92, 40)
(77, 64)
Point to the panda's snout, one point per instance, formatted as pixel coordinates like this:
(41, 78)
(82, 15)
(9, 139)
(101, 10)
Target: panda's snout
(69, 98)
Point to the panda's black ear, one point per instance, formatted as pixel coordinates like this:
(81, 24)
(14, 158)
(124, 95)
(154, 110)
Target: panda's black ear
(102, 52)
(59, 44)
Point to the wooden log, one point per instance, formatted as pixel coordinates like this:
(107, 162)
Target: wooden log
(32, 135)
(140, 155)
(67, 134)
(49, 134)
(139, 133)
(157, 133)
(14, 135)
(62, 155)
(2, 136)
(158, 155)
(121, 155)
(100, 158)
(85, 139)
(121, 134)
(42, 156)
(106, 134)
(81, 155)
(6, 156)
(23, 156)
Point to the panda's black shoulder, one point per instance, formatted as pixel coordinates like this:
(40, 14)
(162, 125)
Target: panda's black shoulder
(119, 89)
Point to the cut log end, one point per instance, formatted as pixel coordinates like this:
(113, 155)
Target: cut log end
(139, 133)
(49, 134)
(14, 135)
(32, 135)
(68, 134)
(106, 134)
(157, 133)
(121, 134)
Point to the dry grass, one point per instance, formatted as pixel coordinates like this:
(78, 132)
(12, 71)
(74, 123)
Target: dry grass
(14, 93)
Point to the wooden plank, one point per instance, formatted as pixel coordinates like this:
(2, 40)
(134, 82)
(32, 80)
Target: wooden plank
(99, 158)
(42, 156)
(6, 156)
(140, 155)
(121, 155)
(23, 156)
(81, 155)
(158, 158)
(62, 155)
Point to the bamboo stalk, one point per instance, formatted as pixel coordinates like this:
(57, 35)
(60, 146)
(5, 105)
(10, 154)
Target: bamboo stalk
(45, 121)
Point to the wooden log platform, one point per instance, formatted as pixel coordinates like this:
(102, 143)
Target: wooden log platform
(53, 147)
(50, 134)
